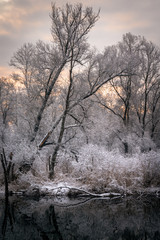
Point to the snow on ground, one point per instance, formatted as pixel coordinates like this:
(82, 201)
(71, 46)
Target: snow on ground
(97, 171)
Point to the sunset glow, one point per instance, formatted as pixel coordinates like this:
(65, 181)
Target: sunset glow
(27, 21)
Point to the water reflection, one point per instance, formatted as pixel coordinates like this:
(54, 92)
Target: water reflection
(45, 219)
(8, 216)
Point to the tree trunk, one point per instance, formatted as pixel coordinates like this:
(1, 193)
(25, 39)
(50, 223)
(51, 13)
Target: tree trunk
(125, 144)
(54, 155)
(47, 95)
(3, 161)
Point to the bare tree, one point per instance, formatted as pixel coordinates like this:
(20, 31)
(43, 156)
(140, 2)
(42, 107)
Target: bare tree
(7, 101)
(90, 81)
(70, 26)
(154, 103)
(118, 98)
(137, 93)
(147, 84)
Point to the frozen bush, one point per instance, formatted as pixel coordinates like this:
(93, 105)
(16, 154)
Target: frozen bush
(102, 170)
(64, 163)
(151, 169)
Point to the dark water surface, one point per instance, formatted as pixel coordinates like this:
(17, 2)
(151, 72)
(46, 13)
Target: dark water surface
(96, 219)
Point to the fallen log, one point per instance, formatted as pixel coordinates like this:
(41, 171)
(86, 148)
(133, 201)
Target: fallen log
(73, 191)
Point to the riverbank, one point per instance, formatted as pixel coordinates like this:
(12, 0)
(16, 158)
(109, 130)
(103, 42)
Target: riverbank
(74, 189)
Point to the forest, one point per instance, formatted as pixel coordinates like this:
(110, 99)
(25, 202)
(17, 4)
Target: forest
(71, 115)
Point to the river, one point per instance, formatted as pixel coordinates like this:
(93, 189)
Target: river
(80, 219)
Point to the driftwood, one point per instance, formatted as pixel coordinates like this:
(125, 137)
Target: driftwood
(73, 191)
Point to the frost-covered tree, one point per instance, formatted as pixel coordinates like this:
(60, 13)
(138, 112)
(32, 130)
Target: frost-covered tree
(134, 98)
(8, 114)
(148, 83)
(7, 101)
(70, 26)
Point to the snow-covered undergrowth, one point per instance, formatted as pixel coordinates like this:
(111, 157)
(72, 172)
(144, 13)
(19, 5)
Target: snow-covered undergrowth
(102, 170)
(95, 169)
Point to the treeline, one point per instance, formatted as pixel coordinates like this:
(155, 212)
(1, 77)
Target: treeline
(66, 94)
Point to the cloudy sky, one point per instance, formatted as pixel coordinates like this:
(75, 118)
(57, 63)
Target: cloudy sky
(28, 21)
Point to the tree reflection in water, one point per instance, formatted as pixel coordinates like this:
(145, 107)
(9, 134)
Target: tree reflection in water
(126, 219)
(8, 216)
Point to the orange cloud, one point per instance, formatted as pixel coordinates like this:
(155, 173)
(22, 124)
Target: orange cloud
(3, 32)
(13, 18)
(5, 71)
